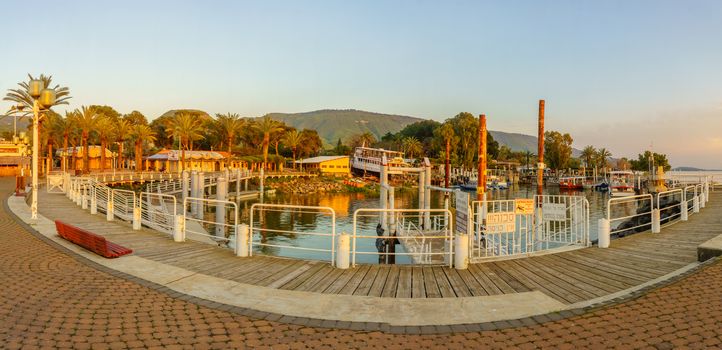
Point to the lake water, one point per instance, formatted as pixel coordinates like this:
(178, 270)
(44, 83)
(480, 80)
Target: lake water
(286, 228)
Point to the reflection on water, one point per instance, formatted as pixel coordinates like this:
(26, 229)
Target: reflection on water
(307, 229)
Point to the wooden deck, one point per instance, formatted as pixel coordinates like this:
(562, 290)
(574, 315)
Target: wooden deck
(569, 277)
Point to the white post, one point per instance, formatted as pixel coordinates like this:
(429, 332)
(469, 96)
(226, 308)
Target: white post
(84, 198)
(242, 240)
(109, 209)
(695, 204)
(343, 250)
(36, 152)
(604, 230)
(427, 194)
(136, 218)
(384, 195)
(260, 189)
(238, 181)
(392, 215)
(656, 225)
(200, 193)
(221, 195)
(422, 192)
(684, 211)
(179, 228)
(461, 252)
(184, 185)
(93, 203)
(194, 191)
(702, 199)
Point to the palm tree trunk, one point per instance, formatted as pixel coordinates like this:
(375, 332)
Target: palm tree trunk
(120, 154)
(266, 140)
(86, 156)
(183, 158)
(293, 150)
(65, 152)
(102, 155)
(50, 157)
(138, 155)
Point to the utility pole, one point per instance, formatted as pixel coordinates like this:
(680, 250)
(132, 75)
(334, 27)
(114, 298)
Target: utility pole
(481, 176)
(540, 150)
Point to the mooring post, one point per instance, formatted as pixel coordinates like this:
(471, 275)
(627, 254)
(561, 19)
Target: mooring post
(136, 218)
(481, 170)
(261, 185)
(684, 210)
(179, 228)
(242, 240)
(540, 150)
(656, 225)
(194, 192)
(93, 203)
(238, 181)
(427, 193)
(461, 252)
(200, 194)
(184, 185)
(109, 215)
(384, 195)
(221, 196)
(604, 233)
(392, 215)
(343, 251)
(695, 204)
(84, 198)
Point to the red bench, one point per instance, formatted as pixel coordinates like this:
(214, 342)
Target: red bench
(90, 241)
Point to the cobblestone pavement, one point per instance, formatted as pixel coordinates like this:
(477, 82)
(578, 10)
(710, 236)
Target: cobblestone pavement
(51, 300)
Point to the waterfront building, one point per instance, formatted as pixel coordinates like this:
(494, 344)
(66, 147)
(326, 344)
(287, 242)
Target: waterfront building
(14, 156)
(327, 165)
(93, 157)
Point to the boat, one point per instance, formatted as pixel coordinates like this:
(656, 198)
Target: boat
(571, 182)
(368, 160)
(621, 183)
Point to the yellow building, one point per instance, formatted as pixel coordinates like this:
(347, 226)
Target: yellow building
(331, 165)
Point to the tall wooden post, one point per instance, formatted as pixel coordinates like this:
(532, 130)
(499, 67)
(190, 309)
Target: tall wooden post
(481, 176)
(540, 150)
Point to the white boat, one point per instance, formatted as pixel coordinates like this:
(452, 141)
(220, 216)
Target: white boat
(368, 160)
(621, 183)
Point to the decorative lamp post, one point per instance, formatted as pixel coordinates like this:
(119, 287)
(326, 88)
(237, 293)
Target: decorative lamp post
(42, 100)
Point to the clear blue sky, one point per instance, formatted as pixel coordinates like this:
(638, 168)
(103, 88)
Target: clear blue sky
(615, 74)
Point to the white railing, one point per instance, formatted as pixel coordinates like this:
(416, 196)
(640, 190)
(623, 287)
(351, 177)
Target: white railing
(55, 182)
(304, 242)
(689, 193)
(166, 186)
(124, 202)
(158, 211)
(669, 204)
(103, 194)
(631, 214)
(432, 245)
(214, 221)
(498, 231)
(564, 221)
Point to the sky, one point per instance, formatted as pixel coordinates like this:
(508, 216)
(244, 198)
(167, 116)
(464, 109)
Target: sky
(625, 75)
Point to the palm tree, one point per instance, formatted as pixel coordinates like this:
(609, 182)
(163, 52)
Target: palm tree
(589, 153)
(105, 128)
(367, 138)
(266, 127)
(292, 139)
(121, 130)
(229, 125)
(602, 158)
(412, 146)
(187, 128)
(64, 127)
(141, 133)
(85, 119)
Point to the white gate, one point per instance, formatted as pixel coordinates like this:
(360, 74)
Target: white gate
(512, 228)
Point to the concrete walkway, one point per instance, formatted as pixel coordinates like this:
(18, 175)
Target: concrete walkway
(53, 298)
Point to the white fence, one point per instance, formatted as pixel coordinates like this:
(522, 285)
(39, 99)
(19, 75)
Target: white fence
(213, 221)
(630, 214)
(158, 211)
(419, 244)
(670, 206)
(124, 202)
(318, 240)
(513, 228)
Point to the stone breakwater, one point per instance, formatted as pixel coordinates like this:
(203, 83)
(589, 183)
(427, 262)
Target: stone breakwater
(308, 186)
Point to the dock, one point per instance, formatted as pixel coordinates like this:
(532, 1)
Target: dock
(569, 277)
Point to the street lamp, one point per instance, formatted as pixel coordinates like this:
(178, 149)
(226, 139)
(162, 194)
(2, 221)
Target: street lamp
(43, 99)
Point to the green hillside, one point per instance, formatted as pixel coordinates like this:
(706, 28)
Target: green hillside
(334, 124)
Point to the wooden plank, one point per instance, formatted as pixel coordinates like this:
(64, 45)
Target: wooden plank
(580, 280)
(606, 279)
(498, 268)
(353, 283)
(378, 287)
(392, 282)
(311, 282)
(456, 283)
(291, 275)
(281, 273)
(365, 286)
(294, 283)
(484, 280)
(418, 288)
(430, 285)
(405, 288)
(439, 274)
(537, 283)
(474, 286)
(341, 282)
(327, 281)
(499, 282)
(559, 281)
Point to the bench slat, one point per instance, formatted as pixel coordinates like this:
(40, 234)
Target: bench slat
(91, 241)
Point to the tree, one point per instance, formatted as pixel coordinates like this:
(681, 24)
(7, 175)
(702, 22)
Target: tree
(266, 127)
(557, 149)
(64, 127)
(311, 143)
(644, 161)
(85, 119)
(135, 118)
(104, 128)
(187, 128)
(367, 139)
(603, 156)
(106, 111)
(412, 146)
(292, 139)
(122, 130)
(588, 155)
(229, 125)
(141, 134)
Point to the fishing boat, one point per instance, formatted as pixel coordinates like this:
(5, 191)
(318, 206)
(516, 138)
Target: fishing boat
(368, 160)
(621, 183)
(571, 182)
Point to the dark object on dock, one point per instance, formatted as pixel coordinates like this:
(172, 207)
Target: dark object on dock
(90, 241)
(644, 222)
(386, 246)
